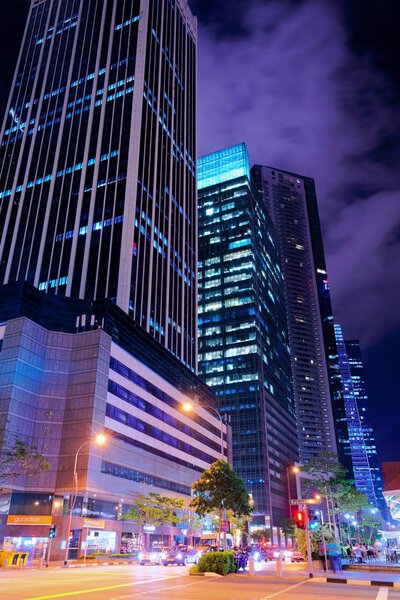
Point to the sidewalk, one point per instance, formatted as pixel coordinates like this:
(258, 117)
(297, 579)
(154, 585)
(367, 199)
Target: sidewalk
(364, 577)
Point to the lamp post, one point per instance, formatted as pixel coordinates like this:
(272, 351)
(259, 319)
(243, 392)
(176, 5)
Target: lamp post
(187, 407)
(100, 439)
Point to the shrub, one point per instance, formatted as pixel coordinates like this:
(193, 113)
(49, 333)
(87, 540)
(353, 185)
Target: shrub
(217, 562)
(194, 569)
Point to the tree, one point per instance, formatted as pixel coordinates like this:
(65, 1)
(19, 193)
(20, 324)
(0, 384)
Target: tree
(154, 509)
(328, 477)
(220, 488)
(325, 473)
(21, 459)
(261, 536)
(351, 500)
(288, 527)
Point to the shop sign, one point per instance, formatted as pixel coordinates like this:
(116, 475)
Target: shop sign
(94, 523)
(29, 520)
(149, 528)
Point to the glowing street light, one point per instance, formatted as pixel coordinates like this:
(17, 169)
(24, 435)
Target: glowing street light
(100, 439)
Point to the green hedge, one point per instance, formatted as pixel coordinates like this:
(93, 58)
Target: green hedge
(217, 562)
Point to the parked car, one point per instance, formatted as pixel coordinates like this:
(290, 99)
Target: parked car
(297, 557)
(180, 555)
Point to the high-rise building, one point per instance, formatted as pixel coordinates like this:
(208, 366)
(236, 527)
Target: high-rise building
(359, 455)
(70, 369)
(356, 365)
(243, 342)
(98, 161)
(292, 204)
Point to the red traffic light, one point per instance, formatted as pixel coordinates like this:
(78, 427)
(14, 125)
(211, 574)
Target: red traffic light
(299, 518)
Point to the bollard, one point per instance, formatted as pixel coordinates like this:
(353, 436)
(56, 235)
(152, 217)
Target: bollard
(278, 567)
(251, 566)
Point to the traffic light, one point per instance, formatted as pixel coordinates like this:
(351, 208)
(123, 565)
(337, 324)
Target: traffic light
(53, 531)
(299, 519)
(313, 521)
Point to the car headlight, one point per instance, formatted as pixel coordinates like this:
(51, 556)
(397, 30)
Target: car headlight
(276, 554)
(140, 556)
(256, 555)
(179, 556)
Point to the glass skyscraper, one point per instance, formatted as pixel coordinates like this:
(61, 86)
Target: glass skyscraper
(243, 342)
(356, 367)
(359, 455)
(321, 420)
(98, 161)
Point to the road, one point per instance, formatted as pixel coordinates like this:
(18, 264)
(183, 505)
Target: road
(171, 583)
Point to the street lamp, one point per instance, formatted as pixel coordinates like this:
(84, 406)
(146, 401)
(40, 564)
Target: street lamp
(100, 439)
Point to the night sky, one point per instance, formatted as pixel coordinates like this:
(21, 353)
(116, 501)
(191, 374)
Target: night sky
(313, 87)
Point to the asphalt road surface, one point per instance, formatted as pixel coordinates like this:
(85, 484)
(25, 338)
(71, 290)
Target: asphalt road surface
(171, 583)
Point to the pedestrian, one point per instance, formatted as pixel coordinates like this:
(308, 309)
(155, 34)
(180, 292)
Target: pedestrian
(358, 553)
(322, 553)
(333, 553)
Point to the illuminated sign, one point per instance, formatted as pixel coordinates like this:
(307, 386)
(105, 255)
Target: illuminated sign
(149, 528)
(94, 523)
(44, 520)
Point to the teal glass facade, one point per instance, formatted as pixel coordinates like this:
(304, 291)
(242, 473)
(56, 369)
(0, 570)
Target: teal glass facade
(356, 366)
(243, 343)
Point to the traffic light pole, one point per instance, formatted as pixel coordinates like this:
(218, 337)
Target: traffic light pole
(308, 541)
(48, 553)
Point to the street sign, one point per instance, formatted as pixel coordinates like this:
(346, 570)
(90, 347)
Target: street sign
(224, 526)
(303, 501)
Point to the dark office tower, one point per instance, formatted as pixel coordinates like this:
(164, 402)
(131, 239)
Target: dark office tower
(97, 161)
(292, 203)
(356, 365)
(359, 455)
(243, 344)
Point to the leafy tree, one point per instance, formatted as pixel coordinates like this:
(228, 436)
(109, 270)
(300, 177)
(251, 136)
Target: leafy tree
(352, 501)
(21, 459)
(325, 473)
(288, 528)
(261, 536)
(154, 509)
(220, 488)
(328, 477)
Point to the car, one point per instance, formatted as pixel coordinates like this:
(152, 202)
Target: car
(180, 555)
(153, 556)
(297, 557)
(259, 554)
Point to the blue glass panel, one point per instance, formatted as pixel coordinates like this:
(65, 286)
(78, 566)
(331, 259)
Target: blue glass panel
(223, 165)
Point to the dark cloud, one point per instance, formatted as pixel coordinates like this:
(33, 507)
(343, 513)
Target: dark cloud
(292, 87)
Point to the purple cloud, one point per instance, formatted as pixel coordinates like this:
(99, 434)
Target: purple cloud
(289, 86)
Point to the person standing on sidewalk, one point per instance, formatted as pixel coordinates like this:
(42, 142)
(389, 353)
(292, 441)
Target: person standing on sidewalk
(321, 553)
(333, 553)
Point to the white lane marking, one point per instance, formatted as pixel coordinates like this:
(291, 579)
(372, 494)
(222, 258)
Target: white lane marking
(383, 593)
(288, 589)
(161, 589)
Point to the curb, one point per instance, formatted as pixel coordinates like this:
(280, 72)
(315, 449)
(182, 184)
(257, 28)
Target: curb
(392, 584)
(206, 574)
